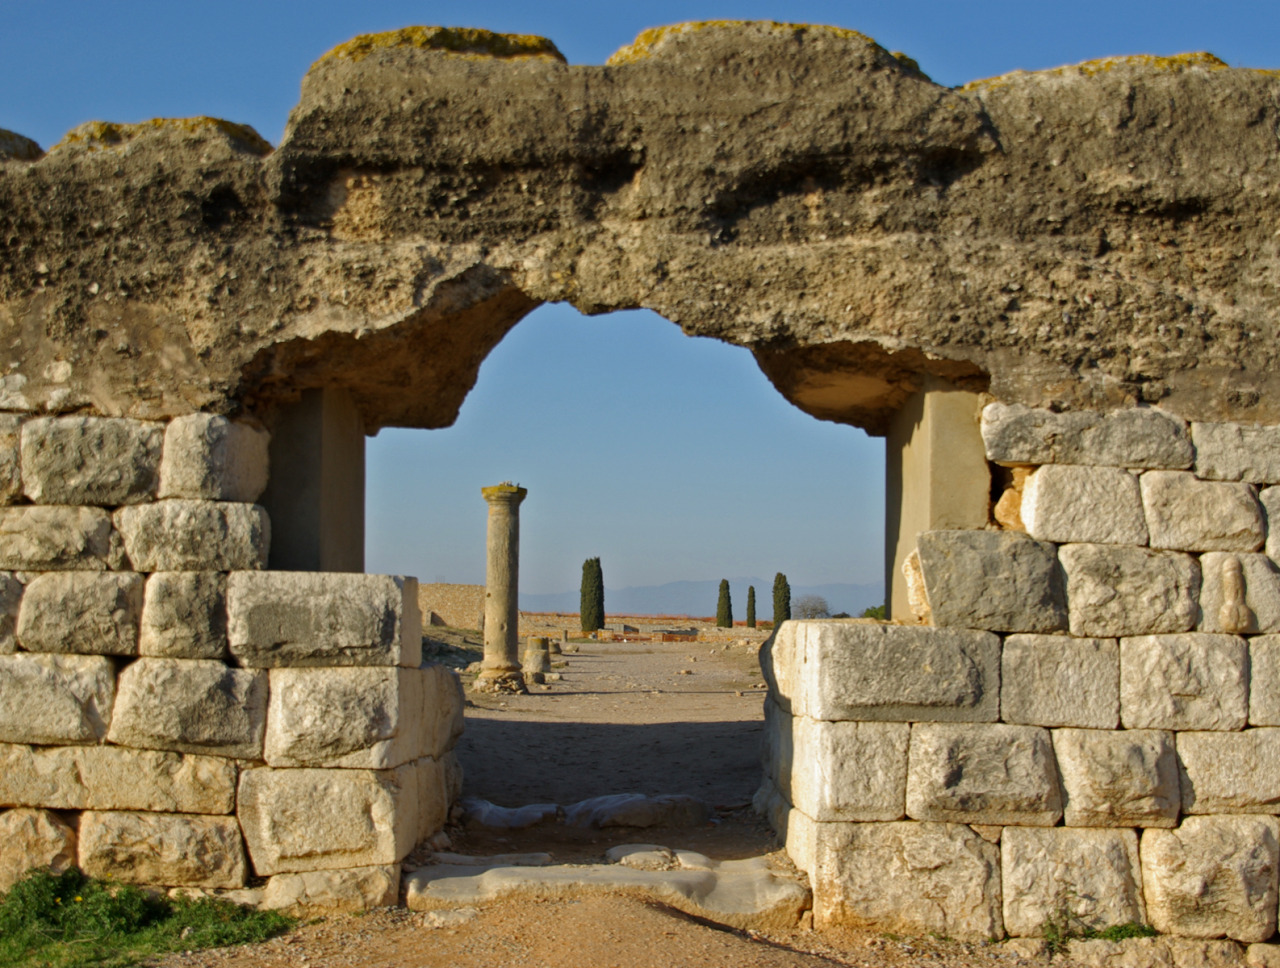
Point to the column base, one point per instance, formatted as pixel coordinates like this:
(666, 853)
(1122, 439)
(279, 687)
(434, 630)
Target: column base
(499, 680)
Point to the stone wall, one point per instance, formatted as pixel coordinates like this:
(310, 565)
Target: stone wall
(173, 715)
(1087, 728)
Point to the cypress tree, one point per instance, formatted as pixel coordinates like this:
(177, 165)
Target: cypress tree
(591, 596)
(724, 607)
(751, 606)
(781, 599)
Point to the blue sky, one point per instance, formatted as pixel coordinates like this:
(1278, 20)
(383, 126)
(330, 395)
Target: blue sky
(671, 458)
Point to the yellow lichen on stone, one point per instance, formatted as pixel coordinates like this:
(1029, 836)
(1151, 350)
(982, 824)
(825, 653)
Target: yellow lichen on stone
(18, 147)
(468, 41)
(1195, 60)
(109, 134)
(649, 40)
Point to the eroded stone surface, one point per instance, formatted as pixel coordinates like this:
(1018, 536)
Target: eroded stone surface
(1118, 778)
(1192, 681)
(184, 615)
(1269, 498)
(1188, 514)
(997, 580)
(90, 460)
(1091, 875)
(174, 850)
(1230, 772)
(55, 699)
(1058, 680)
(1235, 452)
(1212, 877)
(33, 839)
(1264, 680)
(84, 612)
(1083, 504)
(1258, 579)
(54, 538)
(10, 463)
(179, 535)
(1015, 434)
(191, 706)
(985, 774)
(210, 458)
(285, 618)
(334, 892)
(10, 600)
(1117, 590)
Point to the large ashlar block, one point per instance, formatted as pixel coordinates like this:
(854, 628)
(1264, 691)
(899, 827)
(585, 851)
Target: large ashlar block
(355, 718)
(307, 820)
(162, 849)
(33, 839)
(435, 795)
(997, 580)
(1056, 680)
(1118, 778)
(983, 774)
(10, 601)
(1264, 680)
(912, 878)
(1230, 772)
(10, 463)
(1137, 437)
(1213, 877)
(443, 704)
(104, 461)
(1231, 579)
(191, 706)
(334, 892)
(1269, 498)
(210, 458)
(841, 771)
(1115, 590)
(115, 778)
(886, 673)
(184, 615)
(1092, 876)
(293, 618)
(1231, 452)
(55, 699)
(84, 612)
(1067, 502)
(54, 539)
(1188, 514)
(1191, 681)
(179, 535)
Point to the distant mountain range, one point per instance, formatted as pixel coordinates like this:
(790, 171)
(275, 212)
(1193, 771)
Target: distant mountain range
(698, 598)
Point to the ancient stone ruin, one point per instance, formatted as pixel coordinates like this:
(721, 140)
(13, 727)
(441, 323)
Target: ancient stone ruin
(1055, 294)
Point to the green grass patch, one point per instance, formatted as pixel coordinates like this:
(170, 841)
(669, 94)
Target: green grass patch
(67, 920)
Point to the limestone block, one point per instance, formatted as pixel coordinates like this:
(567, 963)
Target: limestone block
(1091, 875)
(1191, 681)
(1264, 680)
(1136, 437)
(443, 702)
(85, 612)
(1118, 778)
(190, 706)
(1117, 590)
(911, 878)
(1057, 680)
(334, 892)
(308, 820)
(1068, 502)
(184, 615)
(293, 618)
(1239, 593)
(10, 464)
(1188, 514)
(1002, 581)
(1269, 498)
(104, 461)
(917, 596)
(984, 774)
(1263, 956)
(10, 600)
(356, 718)
(55, 699)
(210, 458)
(1231, 452)
(434, 798)
(179, 535)
(1230, 772)
(886, 673)
(168, 849)
(453, 776)
(1212, 877)
(33, 839)
(115, 778)
(1164, 951)
(846, 771)
(54, 538)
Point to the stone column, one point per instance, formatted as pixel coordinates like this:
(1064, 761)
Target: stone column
(500, 670)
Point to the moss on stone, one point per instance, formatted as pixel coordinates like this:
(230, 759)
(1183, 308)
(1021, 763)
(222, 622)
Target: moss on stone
(109, 134)
(18, 147)
(1195, 60)
(450, 40)
(649, 40)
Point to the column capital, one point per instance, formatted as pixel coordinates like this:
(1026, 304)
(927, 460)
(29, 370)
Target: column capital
(505, 493)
